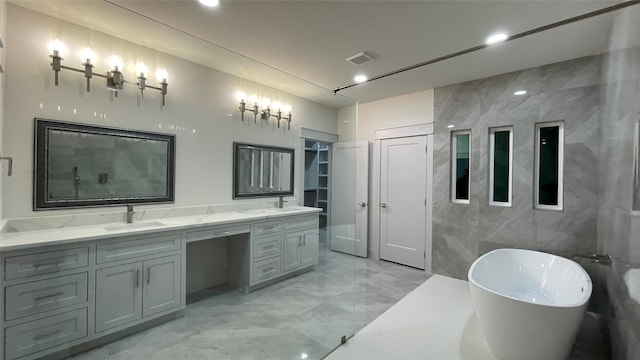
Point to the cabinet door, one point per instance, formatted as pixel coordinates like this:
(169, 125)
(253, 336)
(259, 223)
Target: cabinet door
(291, 258)
(309, 248)
(118, 295)
(162, 285)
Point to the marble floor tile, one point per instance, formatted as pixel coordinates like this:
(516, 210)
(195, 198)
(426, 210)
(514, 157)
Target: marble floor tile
(300, 318)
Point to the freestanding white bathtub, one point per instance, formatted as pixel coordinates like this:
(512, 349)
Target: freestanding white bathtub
(529, 304)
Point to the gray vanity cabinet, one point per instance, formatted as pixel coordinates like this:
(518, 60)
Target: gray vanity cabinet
(118, 295)
(301, 243)
(130, 292)
(300, 250)
(291, 259)
(161, 288)
(309, 248)
(61, 298)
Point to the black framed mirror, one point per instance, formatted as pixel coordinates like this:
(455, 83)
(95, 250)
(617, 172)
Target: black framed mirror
(78, 165)
(261, 170)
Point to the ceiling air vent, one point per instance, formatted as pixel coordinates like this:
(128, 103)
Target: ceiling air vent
(360, 58)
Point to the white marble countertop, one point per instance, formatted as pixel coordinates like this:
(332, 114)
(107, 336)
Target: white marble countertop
(10, 241)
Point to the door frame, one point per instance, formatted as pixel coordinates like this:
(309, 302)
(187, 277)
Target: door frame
(314, 135)
(374, 226)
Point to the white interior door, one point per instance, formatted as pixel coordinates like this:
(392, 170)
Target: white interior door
(349, 197)
(403, 177)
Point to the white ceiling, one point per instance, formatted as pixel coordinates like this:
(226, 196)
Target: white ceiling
(300, 46)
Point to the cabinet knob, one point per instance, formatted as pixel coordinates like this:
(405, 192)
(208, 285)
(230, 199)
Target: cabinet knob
(384, 205)
(363, 204)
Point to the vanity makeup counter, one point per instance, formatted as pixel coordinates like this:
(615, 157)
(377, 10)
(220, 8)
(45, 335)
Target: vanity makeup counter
(67, 288)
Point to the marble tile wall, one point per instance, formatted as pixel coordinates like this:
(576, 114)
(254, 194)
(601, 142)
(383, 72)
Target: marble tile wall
(567, 91)
(618, 226)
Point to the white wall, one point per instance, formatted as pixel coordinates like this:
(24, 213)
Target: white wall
(3, 32)
(410, 109)
(199, 103)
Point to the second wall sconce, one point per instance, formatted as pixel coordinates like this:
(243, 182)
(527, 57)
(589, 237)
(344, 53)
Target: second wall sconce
(282, 112)
(114, 77)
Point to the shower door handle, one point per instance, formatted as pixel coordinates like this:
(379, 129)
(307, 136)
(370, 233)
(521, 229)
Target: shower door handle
(363, 204)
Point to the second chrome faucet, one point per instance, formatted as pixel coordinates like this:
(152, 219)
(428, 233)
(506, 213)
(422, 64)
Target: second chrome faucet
(130, 213)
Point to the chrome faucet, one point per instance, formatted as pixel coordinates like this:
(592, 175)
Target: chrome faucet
(130, 213)
(281, 201)
(601, 259)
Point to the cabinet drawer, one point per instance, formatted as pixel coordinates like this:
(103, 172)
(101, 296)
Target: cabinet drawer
(267, 228)
(135, 248)
(267, 246)
(39, 296)
(217, 232)
(266, 269)
(302, 222)
(45, 333)
(16, 267)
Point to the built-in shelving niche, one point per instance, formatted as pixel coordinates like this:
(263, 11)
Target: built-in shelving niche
(317, 169)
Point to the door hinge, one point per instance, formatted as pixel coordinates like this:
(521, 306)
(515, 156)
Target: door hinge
(425, 202)
(425, 254)
(426, 149)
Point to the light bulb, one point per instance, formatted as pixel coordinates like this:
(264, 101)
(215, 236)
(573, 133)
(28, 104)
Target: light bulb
(360, 78)
(266, 102)
(496, 38)
(141, 68)
(161, 74)
(56, 45)
(87, 55)
(240, 96)
(286, 108)
(115, 62)
(253, 99)
(210, 3)
(277, 105)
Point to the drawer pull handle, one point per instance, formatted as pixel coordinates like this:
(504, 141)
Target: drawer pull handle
(53, 263)
(271, 227)
(137, 278)
(268, 247)
(268, 269)
(47, 335)
(149, 275)
(40, 298)
(223, 233)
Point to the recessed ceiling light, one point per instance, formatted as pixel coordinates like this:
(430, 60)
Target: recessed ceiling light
(359, 78)
(520, 92)
(209, 3)
(496, 38)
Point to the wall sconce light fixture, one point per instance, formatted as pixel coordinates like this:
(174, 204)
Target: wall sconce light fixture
(282, 112)
(115, 79)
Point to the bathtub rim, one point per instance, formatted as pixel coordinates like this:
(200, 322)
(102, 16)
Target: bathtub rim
(588, 286)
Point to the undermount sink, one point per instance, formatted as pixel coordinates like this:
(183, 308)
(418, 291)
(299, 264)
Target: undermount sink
(272, 210)
(287, 209)
(255, 211)
(117, 227)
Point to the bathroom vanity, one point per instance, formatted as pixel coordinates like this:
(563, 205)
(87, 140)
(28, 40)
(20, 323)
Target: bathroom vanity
(68, 289)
